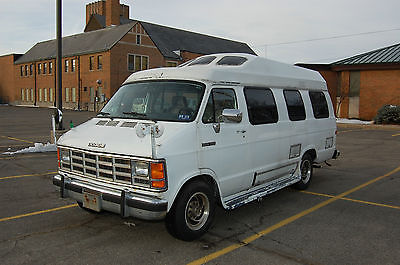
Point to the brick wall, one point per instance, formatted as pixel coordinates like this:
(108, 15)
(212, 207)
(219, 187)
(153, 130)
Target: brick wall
(7, 93)
(378, 88)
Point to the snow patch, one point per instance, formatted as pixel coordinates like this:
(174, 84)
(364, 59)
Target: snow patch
(353, 121)
(38, 148)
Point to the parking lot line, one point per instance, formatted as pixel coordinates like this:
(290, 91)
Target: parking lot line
(352, 200)
(38, 212)
(28, 175)
(287, 221)
(17, 139)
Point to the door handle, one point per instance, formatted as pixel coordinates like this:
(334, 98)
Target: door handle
(241, 131)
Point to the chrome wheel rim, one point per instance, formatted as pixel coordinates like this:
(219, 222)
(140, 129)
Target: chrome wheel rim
(197, 211)
(305, 171)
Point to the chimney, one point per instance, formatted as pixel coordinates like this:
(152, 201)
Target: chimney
(113, 9)
(98, 7)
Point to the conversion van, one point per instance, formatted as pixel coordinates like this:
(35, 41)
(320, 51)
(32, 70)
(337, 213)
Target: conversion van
(223, 129)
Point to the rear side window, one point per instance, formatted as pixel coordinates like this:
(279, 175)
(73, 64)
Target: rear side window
(261, 105)
(220, 99)
(232, 60)
(295, 105)
(203, 60)
(319, 105)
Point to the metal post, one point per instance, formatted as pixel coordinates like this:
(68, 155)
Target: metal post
(59, 59)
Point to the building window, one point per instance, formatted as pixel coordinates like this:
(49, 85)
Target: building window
(91, 94)
(22, 70)
(31, 69)
(66, 94)
(45, 68)
(40, 94)
(73, 94)
(31, 94)
(27, 94)
(137, 62)
(99, 62)
(51, 95)
(39, 69)
(261, 106)
(50, 68)
(172, 64)
(26, 70)
(91, 63)
(66, 66)
(22, 94)
(45, 95)
(138, 39)
(73, 65)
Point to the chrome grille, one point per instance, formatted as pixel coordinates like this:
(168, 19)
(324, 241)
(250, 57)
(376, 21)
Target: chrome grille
(105, 167)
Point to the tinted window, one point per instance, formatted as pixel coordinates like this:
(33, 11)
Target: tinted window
(261, 105)
(319, 105)
(295, 105)
(203, 60)
(232, 60)
(220, 99)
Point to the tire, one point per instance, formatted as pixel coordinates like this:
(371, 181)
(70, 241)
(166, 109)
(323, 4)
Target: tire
(306, 171)
(192, 212)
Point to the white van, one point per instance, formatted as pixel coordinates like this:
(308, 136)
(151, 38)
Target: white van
(172, 143)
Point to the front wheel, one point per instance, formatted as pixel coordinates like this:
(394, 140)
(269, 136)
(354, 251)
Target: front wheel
(306, 171)
(191, 215)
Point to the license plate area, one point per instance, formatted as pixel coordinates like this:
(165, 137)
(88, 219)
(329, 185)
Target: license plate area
(92, 200)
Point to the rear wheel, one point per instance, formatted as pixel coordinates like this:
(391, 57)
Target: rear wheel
(191, 215)
(306, 171)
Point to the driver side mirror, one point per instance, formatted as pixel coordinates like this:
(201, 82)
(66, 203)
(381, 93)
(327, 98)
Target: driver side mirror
(233, 115)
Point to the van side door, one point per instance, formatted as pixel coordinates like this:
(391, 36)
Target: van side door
(225, 151)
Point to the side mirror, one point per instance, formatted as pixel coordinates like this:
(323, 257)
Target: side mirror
(233, 115)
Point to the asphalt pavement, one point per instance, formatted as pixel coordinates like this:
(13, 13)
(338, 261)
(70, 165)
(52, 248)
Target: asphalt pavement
(349, 215)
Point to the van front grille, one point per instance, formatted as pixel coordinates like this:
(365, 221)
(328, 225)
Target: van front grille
(105, 167)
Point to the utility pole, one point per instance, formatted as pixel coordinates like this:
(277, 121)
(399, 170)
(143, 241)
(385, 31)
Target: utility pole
(59, 61)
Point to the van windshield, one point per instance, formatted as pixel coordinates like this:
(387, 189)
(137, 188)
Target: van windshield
(156, 100)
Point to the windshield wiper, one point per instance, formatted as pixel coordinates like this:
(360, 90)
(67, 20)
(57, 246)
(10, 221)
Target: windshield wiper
(104, 113)
(135, 114)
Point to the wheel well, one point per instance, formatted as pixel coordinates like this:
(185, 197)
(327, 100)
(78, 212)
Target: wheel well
(210, 181)
(312, 153)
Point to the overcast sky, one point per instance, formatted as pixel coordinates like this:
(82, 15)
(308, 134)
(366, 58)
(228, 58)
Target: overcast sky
(263, 24)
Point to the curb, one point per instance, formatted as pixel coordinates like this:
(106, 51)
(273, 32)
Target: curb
(387, 127)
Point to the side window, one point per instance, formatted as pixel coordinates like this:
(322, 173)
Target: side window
(220, 99)
(295, 105)
(261, 105)
(319, 105)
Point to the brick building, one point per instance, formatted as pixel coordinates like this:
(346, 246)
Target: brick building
(363, 83)
(97, 61)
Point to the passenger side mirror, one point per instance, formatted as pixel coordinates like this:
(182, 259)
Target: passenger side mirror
(233, 115)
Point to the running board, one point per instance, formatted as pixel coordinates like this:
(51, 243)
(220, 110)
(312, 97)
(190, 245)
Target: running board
(259, 192)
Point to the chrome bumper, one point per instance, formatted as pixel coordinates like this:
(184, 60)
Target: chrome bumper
(124, 202)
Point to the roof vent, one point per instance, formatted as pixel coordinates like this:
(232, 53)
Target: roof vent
(232, 60)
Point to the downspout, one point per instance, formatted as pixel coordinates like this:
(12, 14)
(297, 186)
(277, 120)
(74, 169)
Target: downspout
(55, 83)
(35, 84)
(79, 82)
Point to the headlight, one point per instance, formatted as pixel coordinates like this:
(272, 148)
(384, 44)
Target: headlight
(64, 158)
(140, 169)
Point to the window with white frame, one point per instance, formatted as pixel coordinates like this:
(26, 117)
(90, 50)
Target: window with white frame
(40, 94)
(51, 99)
(73, 94)
(31, 94)
(22, 94)
(67, 94)
(45, 94)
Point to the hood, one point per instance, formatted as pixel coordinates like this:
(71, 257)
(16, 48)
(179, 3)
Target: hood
(119, 136)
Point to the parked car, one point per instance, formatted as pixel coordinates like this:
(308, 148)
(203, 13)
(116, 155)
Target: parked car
(173, 143)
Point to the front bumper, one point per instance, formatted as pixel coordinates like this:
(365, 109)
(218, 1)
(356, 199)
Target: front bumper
(122, 201)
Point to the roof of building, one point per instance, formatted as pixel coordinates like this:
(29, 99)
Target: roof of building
(238, 68)
(385, 55)
(168, 40)
(83, 43)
